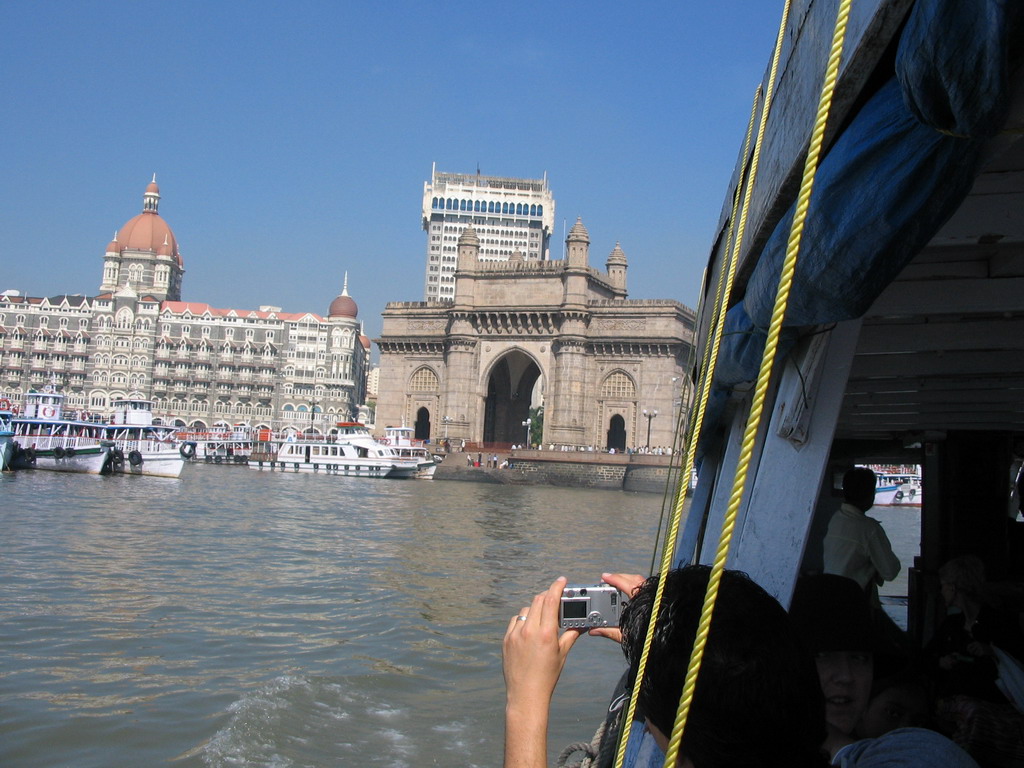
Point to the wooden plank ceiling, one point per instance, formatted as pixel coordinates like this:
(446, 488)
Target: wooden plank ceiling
(943, 347)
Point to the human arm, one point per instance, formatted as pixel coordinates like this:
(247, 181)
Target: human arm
(533, 654)
(882, 557)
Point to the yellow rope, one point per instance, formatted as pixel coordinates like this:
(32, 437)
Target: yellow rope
(763, 377)
(709, 363)
(709, 357)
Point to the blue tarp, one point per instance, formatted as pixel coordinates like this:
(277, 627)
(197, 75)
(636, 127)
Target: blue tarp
(887, 184)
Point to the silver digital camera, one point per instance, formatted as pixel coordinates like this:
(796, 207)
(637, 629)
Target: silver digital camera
(586, 607)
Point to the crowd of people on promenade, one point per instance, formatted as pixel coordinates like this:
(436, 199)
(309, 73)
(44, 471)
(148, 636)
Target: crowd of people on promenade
(830, 682)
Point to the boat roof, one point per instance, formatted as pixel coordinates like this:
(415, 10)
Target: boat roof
(941, 345)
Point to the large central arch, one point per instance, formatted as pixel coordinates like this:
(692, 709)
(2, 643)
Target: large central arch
(510, 386)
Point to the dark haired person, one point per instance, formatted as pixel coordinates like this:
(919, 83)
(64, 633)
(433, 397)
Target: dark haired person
(833, 619)
(756, 703)
(856, 545)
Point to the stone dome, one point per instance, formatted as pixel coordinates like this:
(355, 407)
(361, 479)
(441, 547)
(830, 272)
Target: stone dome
(343, 304)
(469, 236)
(147, 231)
(578, 232)
(617, 256)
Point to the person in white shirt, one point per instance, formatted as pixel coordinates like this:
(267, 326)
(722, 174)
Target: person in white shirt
(856, 545)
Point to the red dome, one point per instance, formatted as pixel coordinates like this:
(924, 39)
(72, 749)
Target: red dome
(148, 232)
(343, 306)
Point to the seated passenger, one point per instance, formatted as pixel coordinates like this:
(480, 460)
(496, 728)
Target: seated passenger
(833, 617)
(756, 702)
(961, 649)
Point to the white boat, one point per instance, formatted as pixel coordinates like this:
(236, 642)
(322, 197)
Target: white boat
(6, 434)
(897, 488)
(401, 439)
(223, 445)
(140, 446)
(44, 439)
(349, 450)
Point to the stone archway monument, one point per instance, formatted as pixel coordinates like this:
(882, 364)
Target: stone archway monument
(526, 332)
(510, 393)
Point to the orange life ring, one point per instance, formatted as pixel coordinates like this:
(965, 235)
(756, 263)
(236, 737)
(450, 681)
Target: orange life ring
(5, 404)
(47, 412)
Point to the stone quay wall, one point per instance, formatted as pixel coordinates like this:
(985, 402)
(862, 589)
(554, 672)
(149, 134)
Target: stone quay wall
(573, 469)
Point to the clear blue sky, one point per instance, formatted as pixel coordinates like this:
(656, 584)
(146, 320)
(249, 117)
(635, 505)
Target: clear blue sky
(291, 140)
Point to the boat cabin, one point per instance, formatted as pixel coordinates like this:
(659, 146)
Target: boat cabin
(134, 411)
(902, 341)
(47, 404)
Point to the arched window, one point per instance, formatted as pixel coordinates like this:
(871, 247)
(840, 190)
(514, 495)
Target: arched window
(519, 209)
(423, 380)
(540, 210)
(618, 385)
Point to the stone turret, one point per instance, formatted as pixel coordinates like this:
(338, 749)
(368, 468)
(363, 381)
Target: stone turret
(468, 259)
(469, 248)
(577, 245)
(617, 269)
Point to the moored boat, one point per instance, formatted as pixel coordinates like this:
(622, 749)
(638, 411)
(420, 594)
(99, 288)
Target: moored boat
(406, 446)
(6, 434)
(223, 444)
(141, 447)
(349, 450)
(45, 439)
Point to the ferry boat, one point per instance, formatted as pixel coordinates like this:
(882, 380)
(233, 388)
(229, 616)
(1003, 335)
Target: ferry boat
(349, 450)
(6, 434)
(406, 446)
(45, 439)
(224, 444)
(863, 301)
(897, 488)
(140, 446)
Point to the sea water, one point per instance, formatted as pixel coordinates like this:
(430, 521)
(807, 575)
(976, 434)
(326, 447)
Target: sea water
(234, 617)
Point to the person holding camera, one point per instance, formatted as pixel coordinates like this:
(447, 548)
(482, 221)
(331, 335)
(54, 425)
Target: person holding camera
(757, 699)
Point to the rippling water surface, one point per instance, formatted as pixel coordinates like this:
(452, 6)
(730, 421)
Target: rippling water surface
(236, 617)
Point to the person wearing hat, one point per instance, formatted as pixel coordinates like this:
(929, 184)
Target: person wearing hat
(832, 616)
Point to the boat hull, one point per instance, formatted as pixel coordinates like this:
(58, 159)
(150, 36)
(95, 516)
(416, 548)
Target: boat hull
(88, 460)
(6, 449)
(149, 462)
(350, 468)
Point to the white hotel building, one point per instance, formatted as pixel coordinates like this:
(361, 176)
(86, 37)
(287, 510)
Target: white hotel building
(512, 217)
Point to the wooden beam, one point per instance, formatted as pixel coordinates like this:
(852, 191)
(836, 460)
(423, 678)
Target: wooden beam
(942, 336)
(911, 366)
(949, 297)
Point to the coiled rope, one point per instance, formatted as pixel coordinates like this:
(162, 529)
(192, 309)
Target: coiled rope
(757, 402)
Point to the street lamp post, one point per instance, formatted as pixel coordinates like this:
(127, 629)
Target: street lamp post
(447, 420)
(527, 425)
(649, 415)
(312, 416)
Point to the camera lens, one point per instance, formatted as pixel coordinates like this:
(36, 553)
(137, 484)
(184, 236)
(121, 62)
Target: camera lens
(583, 591)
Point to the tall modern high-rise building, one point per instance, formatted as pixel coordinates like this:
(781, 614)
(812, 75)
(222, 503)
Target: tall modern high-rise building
(513, 218)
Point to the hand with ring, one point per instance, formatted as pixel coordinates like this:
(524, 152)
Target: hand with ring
(533, 654)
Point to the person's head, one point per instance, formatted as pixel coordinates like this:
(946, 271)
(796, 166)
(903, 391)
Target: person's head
(833, 618)
(756, 701)
(962, 580)
(859, 488)
(902, 701)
